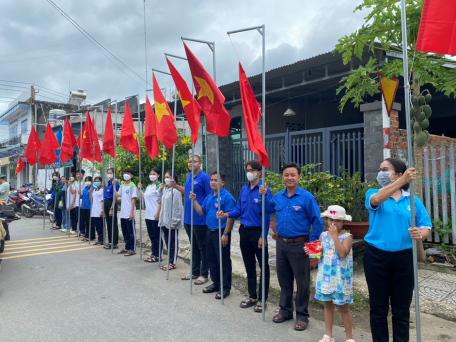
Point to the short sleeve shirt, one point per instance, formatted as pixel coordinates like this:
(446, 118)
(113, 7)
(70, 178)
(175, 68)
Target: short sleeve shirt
(127, 192)
(210, 208)
(151, 200)
(202, 189)
(4, 189)
(97, 202)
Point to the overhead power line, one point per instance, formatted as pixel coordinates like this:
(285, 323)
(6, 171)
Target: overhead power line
(99, 46)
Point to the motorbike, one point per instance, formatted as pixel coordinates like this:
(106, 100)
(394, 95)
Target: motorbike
(38, 205)
(7, 215)
(16, 200)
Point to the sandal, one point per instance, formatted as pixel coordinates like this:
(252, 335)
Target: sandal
(165, 267)
(300, 325)
(259, 308)
(225, 294)
(210, 289)
(122, 251)
(187, 277)
(247, 303)
(129, 253)
(200, 281)
(98, 244)
(56, 228)
(280, 319)
(107, 246)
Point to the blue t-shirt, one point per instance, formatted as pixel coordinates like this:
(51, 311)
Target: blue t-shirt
(202, 189)
(109, 191)
(210, 208)
(296, 214)
(249, 206)
(86, 204)
(389, 222)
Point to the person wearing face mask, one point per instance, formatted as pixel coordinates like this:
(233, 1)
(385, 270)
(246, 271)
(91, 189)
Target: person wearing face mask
(58, 194)
(73, 203)
(150, 197)
(108, 204)
(128, 193)
(85, 211)
(164, 198)
(249, 209)
(68, 200)
(388, 258)
(202, 189)
(64, 200)
(96, 197)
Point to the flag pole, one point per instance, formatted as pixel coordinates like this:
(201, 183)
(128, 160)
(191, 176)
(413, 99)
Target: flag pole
(44, 203)
(93, 170)
(114, 212)
(80, 172)
(105, 230)
(163, 181)
(410, 164)
(172, 194)
(140, 197)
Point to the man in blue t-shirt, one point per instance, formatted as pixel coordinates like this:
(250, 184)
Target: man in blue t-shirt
(210, 207)
(201, 188)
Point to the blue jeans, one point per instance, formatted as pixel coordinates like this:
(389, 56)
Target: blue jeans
(64, 222)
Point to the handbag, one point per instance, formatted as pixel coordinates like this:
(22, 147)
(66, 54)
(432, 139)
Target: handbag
(60, 204)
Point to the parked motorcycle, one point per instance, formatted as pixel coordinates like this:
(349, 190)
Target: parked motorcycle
(7, 215)
(36, 205)
(16, 200)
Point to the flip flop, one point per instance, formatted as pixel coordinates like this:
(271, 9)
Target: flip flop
(130, 253)
(187, 277)
(248, 303)
(200, 281)
(258, 307)
(123, 251)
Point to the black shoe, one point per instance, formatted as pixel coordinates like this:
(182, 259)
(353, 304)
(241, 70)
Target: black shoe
(225, 294)
(211, 288)
(7, 238)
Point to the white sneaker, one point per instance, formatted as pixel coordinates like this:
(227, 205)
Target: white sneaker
(73, 232)
(350, 340)
(326, 338)
(63, 230)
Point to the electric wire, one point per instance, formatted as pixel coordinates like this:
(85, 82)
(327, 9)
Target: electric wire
(99, 46)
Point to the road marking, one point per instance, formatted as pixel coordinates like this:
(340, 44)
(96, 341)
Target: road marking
(38, 242)
(51, 237)
(40, 249)
(76, 243)
(52, 252)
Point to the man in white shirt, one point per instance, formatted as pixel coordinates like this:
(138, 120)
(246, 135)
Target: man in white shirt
(128, 194)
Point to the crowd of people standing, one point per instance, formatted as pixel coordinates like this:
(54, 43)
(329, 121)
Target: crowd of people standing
(298, 221)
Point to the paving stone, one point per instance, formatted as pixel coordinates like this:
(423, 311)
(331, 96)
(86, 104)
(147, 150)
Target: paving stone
(433, 293)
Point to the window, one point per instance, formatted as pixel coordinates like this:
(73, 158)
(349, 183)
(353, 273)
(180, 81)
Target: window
(13, 131)
(24, 126)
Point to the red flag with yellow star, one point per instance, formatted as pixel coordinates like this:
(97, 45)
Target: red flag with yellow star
(210, 98)
(166, 130)
(191, 107)
(33, 146)
(150, 132)
(20, 165)
(50, 144)
(128, 136)
(68, 142)
(95, 142)
(86, 147)
(108, 138)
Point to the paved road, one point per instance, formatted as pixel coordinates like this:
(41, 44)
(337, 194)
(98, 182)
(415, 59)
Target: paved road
(53, 288)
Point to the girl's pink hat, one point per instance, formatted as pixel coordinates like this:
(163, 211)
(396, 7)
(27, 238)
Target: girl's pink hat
(336, 212)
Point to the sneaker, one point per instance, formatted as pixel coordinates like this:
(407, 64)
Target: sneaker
(73, 232)
(63, 230)
(326, 338)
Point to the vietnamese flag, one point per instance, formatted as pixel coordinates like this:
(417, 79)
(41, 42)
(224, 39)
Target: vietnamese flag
(86, 146)
(210, 98)
(191, 107)
(108, 139)
(252, 114)
(437, 33)
(128, 136)
(150, 132)
(166, 130)
(50, 144)
(20, 165)
(95, 142)
(33, 146)
(68, 142)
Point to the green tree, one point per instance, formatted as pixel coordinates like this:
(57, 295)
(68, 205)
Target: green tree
(382, 30)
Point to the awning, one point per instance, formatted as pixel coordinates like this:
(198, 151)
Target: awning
(4, 161)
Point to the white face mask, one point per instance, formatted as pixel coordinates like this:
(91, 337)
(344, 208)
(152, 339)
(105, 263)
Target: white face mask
(251, 176)
(88, 183)
(55, 178)
(71, 178)
(110, 176)
(126, 177)
(167, 180)
(153, 178)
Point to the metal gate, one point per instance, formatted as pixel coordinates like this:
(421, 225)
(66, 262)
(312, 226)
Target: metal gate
(330, 147)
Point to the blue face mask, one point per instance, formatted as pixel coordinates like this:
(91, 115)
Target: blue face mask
(384, 178)
(97, 184)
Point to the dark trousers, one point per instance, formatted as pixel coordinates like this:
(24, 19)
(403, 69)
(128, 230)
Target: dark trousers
(389, 277)
(154, 234)
(293, 263)
(74, 218)
(5, 226)
(249, 237)
(213, 259)
(107, 207)
(58, 217)
(129, 233)
(84, 224)
(173, 245)
(199, 257)
(97, 225)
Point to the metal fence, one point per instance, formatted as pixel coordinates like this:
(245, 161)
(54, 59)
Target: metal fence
(439, 189)
(331, 147)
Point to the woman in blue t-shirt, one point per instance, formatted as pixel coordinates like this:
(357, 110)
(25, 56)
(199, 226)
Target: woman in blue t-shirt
(85, 211)
(388, 258)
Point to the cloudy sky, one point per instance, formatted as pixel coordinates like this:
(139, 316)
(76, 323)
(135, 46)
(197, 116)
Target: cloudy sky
(39, 46)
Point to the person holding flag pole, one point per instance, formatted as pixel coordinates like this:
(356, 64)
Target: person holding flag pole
(217, 118)
(196, 232)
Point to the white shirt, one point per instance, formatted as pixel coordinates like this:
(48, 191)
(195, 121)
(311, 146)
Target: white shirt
(127, 193)
(70, 197)
(77, 186)
(97, 202)
(151, 200)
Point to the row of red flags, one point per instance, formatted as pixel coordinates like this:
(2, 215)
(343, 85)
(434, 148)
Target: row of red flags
(159, 125)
